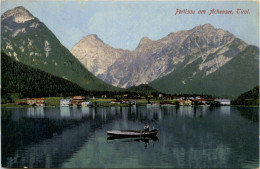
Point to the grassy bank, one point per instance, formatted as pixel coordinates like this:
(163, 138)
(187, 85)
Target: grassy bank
(14, 105)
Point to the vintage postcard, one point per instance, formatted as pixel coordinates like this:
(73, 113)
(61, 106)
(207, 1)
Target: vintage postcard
(129, 84)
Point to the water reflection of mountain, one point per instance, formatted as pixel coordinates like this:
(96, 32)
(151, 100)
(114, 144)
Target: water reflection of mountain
(44, 137)
(186, 140)
(49, 133)
(48, 139)
(217, 130)
(60, 147)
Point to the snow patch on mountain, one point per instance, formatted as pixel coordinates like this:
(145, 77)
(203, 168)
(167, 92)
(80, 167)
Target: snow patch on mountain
(19, 14)
(47, 48)
(34, 25)
(9, 46)
(18, 31)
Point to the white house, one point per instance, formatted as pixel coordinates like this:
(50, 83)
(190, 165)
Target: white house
(223, 101)
(85, 104)
(65, 102)
(198, 97)
(160, 96)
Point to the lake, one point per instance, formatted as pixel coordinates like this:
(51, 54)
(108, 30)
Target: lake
(189, 137)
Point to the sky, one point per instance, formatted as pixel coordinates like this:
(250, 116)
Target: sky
(122, 24)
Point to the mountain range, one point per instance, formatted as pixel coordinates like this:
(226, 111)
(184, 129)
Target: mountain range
(202, 60)
(27, 40)
(236, 76)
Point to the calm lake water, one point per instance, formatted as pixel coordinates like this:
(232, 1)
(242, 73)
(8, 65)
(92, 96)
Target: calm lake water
(203, 137)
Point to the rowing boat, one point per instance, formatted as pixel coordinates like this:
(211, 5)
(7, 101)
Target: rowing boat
(134, 139)
(132, 133)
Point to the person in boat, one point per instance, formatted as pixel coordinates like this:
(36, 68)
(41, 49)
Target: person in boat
(146, 127)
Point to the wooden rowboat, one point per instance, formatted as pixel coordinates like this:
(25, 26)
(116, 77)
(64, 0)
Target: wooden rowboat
(134, 139)
(132, 133)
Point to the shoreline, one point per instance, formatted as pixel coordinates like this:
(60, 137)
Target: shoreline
(11, 105)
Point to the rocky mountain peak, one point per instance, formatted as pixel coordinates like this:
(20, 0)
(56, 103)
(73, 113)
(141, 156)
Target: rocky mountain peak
(92, 37)
(96, 55)
(18, 14)
(205, 27)
(144, 41)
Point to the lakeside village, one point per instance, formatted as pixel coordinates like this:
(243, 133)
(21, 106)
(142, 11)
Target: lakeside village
(149, 100)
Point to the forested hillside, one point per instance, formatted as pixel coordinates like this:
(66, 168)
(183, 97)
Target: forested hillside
(32, 82)
(143, 89)
(248, 98)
